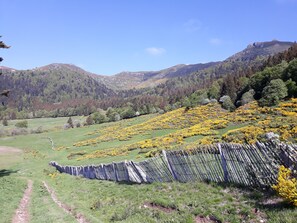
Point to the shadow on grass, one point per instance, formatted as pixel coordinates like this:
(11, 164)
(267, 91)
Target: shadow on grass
(277, 206)
(265, 198)
(244, 188)
(6, 172)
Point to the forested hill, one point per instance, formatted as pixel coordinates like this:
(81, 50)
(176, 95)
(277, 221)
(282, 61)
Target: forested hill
(51, 84)
(142, 79)
(64, 86)
(242, 64)
(253, 54)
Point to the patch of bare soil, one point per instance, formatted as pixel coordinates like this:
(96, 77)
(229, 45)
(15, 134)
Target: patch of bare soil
(207, 219)
(79, 217)
(22, 213)
(272, 201)
(7, 150)
(260, 216)
(158, 207)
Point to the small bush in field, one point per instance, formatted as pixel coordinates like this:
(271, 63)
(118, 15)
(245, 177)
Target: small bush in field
(70, 122)
(3, 132)
(77, 124)
(89, 120)
(66, 126)
(19, 131)
(4, 122)
(37, 130)
(22, 124)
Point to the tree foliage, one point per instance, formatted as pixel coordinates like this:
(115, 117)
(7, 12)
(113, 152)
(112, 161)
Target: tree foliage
(99, 117)
(63, 91)
(214, 91)
(227, 103)
(3, 92)
(262, 79)
(274, 92)
(247, 97)
(128, 112)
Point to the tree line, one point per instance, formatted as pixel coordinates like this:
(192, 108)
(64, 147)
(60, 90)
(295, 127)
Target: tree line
(232, 83)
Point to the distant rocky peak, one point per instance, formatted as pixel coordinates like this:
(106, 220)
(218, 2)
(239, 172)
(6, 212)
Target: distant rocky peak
(261, 49)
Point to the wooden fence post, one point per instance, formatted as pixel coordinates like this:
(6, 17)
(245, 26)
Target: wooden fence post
(115, 172)
(104, 171)
(126, 171)
(224, 164)
(137, 172)
(165, 159)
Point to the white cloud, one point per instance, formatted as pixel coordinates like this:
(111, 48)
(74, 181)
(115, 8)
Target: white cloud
(192, 25)
(155, 51)
(215, 41)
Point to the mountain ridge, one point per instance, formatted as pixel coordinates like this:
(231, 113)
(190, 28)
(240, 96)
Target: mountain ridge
(126, 80)
(57, 82)
(261, 48)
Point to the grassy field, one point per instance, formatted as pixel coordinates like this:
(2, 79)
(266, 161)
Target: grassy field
(104, 201)
(46, 123)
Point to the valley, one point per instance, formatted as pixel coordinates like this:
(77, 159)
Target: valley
(137, 139)
(148, 111)
(65, 114)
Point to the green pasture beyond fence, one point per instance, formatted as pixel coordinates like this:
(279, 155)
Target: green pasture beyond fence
(244, 164)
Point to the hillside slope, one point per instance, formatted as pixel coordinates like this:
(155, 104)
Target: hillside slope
(244, 63)
(260, 49)
(51, 84)
(142, 79)
(57, 83)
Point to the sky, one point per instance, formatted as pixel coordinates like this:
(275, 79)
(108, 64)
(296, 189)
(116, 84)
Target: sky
(110, 36)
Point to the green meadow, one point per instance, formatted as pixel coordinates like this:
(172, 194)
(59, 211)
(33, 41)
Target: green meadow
(105, 201)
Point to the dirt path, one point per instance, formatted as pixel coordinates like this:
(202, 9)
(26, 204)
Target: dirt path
(6, 150)
(22, 213)
(79, 217)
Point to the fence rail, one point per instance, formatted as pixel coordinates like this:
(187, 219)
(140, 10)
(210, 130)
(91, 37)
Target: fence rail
(245, 164)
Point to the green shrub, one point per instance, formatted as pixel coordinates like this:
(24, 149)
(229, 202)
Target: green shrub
(99, 118)
(227, 103)
(5, 122)
(70, 122)
(22, 124)
(89, 120)
(273, 93)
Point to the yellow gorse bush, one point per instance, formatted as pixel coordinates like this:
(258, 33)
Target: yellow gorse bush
(247, 124)
(286, 185)
(248, 134)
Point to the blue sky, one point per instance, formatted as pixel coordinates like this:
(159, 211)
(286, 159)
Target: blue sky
(107, 37)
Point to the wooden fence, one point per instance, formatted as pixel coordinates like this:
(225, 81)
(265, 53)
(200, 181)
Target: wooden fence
(249, 165)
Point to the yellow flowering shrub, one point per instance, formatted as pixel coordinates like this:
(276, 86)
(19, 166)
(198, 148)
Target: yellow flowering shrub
(207, 140)
(54, 175)
(248, 134)
(62, 148)
(105, 153)
(176, 119)
(209, 121)
(294, 131)
(286, 185)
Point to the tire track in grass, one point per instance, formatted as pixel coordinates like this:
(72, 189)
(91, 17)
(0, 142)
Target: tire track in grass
(22, 213)
(79, 217)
